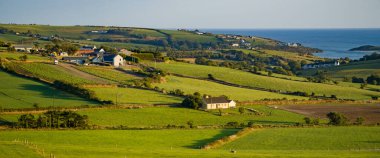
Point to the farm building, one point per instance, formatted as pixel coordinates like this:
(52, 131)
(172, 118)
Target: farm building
(76, 60)
(23, 48)
(113, 59)
(218, 103)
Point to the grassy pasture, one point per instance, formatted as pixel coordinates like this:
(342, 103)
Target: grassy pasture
(325, 142)
(163, 116)
(331, 138)
(182, 35)
(189, 86)
(118, 143)
(109, 73)
(48, 72)
(17, 92)
(134, 96)
(16, 150)
(16, 55)
(361, 69)
(249, 79)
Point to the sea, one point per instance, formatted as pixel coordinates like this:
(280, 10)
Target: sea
(335, 43)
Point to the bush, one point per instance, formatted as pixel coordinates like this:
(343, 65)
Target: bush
(241, 110)
(359, 121)
(337, 118)
(307, 120)
(194, 101)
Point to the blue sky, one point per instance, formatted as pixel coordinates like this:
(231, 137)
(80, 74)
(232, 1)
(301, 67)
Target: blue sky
(196, 13)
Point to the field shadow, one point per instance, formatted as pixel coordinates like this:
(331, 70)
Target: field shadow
(50, 92)
(198, 144)
(371, 142)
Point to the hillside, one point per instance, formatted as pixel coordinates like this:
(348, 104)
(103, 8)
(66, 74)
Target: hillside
(265, 82)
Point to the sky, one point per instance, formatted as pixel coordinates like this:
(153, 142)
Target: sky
(247, 14)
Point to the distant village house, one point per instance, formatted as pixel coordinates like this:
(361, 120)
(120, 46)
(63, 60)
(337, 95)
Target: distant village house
(218, 103)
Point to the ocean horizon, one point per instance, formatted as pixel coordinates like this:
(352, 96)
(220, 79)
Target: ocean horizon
(335, 42)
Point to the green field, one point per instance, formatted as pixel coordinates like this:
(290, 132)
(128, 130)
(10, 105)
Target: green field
(134, 96)
(163, 116)
(16, 55)
(16, 150)
(332, 138)
(182, 36)
(17, 92)
(118, 143)
(361, 69)
(252, 80)
(48, 72)
(109, 73)
(298, 142)
(189, 86)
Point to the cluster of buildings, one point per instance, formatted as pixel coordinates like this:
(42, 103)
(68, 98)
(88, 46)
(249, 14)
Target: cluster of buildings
(320, 65)
(92, 55)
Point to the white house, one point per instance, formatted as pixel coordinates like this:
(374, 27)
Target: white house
(65, 54)
(235, 45)
(113, 59)
(218, 103)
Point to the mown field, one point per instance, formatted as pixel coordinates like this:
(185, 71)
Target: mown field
(252, 80)
(110, 73)
(290, 142)
(16, 150)
(163, 116)
(189, 86)
(134, 96)
(17, 92)
(331, 138)
(118, 143)
(16, 56)
(359, 69)
(48, 72)
(182, 36)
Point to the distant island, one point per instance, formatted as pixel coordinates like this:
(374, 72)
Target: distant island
(366, 48)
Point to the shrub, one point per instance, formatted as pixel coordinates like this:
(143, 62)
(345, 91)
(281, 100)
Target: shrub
(241, 110)
(194, 101)
(337, 118)
(307, 120)
(359, 121)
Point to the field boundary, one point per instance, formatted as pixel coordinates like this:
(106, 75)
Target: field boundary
(220, 142)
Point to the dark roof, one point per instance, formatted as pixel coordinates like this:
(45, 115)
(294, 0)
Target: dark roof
(221, 99)
(109, 57)
(74, 58)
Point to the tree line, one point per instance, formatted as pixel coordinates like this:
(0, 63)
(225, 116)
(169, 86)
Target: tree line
(53, 119)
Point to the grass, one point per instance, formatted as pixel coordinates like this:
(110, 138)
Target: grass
(119, 143)
(109, 73)
(16, 150)
(17, 92)
(252, 80)
(163, 116)
(49, 72)
(182, 36)
(189, 86)
(16, 55)
(361, 69)
(185, 143)
(292, 56)
(332, 138)
(134, 96)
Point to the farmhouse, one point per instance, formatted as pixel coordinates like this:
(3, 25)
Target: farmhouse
(76, 60)
(235, 45)
(113, 59)
(218, 103)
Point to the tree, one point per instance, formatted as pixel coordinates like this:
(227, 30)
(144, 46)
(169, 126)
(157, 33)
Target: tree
(194, 101)
(337, 118)
(241, 110)
(359, 121)
(190, 123)
(307, 120)
(211, 77)
(23, 57)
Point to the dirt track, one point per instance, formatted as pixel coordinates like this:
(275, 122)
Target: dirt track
(371, 113)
